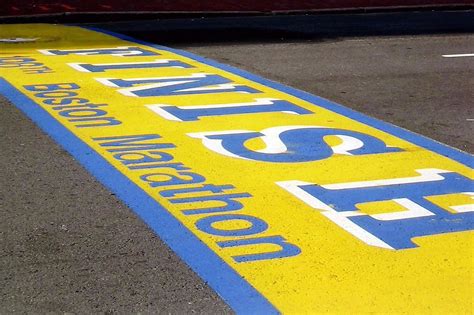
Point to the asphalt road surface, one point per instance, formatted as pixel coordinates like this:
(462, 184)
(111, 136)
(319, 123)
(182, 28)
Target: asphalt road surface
(69, 245)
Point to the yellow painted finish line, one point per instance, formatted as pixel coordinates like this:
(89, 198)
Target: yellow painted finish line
(280, 200)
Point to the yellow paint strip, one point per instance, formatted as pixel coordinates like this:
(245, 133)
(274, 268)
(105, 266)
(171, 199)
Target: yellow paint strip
(314, 207)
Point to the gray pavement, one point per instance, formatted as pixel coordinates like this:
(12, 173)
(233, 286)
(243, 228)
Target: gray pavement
(68, 245)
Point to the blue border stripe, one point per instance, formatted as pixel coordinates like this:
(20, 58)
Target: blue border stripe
(238, 293)
(402, 133)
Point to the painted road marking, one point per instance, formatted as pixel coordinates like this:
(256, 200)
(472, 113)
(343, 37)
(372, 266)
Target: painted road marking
(458, 55)
(280, 200)
(17, 40)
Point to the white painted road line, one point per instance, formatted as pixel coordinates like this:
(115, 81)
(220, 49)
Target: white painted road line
(458, 55)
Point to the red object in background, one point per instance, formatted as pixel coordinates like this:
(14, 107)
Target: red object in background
(38, 7)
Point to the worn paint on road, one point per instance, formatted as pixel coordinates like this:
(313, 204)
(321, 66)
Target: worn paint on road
(280, 200)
